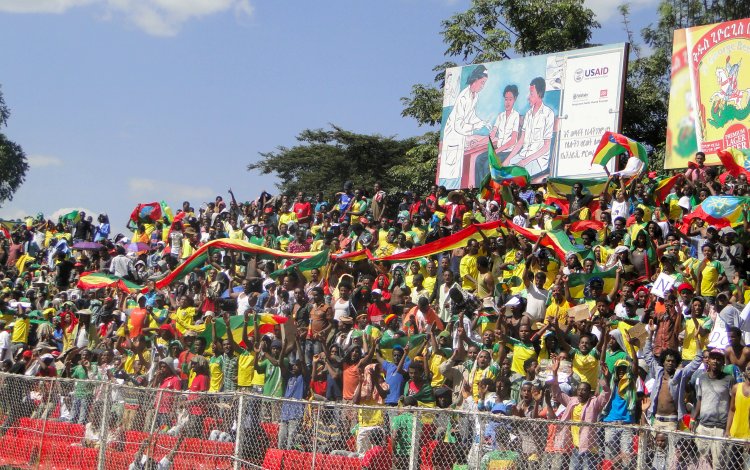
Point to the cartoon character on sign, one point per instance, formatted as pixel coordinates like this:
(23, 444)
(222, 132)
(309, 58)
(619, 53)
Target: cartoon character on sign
(729, 102)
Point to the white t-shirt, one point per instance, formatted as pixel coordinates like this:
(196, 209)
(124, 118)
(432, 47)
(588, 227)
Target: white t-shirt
(536, 302)
(5, 345)
(506, 126)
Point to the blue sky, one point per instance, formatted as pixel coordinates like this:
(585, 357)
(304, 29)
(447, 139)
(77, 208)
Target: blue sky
(124, 101)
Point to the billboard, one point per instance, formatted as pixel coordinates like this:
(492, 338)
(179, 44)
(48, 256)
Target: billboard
(681, 140)
(545, 113)
(719, 64)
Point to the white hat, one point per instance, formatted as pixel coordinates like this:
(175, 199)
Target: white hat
(514, 301)
(268, 282)
(376, 292)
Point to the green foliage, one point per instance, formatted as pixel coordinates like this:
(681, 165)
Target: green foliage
(324, 159)
(416, 171)
(13, 164)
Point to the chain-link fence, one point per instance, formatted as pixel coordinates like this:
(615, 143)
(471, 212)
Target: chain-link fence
(89, 425)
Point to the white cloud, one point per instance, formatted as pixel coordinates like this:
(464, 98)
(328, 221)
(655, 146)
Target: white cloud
(13, 214)
(155, 17)
(152, 189)
(41, 6)
(607, 9)
(41, 161)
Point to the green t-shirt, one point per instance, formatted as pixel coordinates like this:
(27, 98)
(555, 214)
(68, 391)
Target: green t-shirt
(611, 358)
(273, 386)
(402, 425)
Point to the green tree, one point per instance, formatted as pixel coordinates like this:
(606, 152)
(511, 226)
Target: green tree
(13, 164)
(323, 159)
(490, 29)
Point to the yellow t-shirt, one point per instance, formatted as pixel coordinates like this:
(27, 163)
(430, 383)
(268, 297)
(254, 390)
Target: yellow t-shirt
(711, 273)
(437, 377)
(575, 431)
(559, 311)
(690, 341)
(287, 217)
(429, 283)
(370, 417)
(468, 267)
(20, 331)
(521, 353)
(127, 365)
(183, 319)
(245, 370)
(216, 374)
(586, 366)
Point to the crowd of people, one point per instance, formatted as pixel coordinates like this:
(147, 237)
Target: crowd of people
(498, 326)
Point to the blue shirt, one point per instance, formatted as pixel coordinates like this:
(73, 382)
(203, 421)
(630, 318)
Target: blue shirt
(618, 410)
(395, 381)
(295, 388)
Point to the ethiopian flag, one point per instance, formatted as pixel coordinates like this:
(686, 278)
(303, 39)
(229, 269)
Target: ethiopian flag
(577, 282)
(720, 211)
(266, 323)
(97, 280)
(414, 342)
(316, 262)
(578, 227)
(505, 174)
(613, 144)
(664, 187)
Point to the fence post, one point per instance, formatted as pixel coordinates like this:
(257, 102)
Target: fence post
(315, 437)
(414, 449)
(104, 425)
(159, 394)
(52, 384)
(641, 457)
(240, 428)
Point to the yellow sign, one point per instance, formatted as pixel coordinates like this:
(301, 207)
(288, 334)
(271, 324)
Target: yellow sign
(719, 63)
(681, 140)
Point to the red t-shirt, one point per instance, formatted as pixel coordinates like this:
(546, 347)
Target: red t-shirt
(376, 312)
(302, 209)
(170, 383)
(319, 386)
(199, 384)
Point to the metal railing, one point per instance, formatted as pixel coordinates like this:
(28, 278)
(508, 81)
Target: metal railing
(50, 423)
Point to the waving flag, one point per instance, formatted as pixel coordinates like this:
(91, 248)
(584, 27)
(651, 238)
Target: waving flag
(96, 280)
(72, 216)
(613, 144)
(720, 211)
(317, 261)
(578, 227)
(664, 187)
(144, 213)
(414, 342)
(577, 282)
(199, 257)
(266, 323)
(736, 161)
(505, 174)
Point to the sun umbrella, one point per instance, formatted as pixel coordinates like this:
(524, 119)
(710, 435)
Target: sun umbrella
(137, 246)
(88, 246)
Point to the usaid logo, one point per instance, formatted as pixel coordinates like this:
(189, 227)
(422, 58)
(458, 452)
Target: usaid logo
(585, 74)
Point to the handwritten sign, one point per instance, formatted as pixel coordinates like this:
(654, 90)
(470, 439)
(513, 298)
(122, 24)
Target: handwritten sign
(662, 285)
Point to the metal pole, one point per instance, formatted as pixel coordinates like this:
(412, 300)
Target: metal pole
(44, 424)
(413, 450)
(104, 426)
(240, 427)
(315, 438)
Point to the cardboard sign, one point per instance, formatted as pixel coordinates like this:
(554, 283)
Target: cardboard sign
(640, 332)
(662, 285)
(579, 313)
